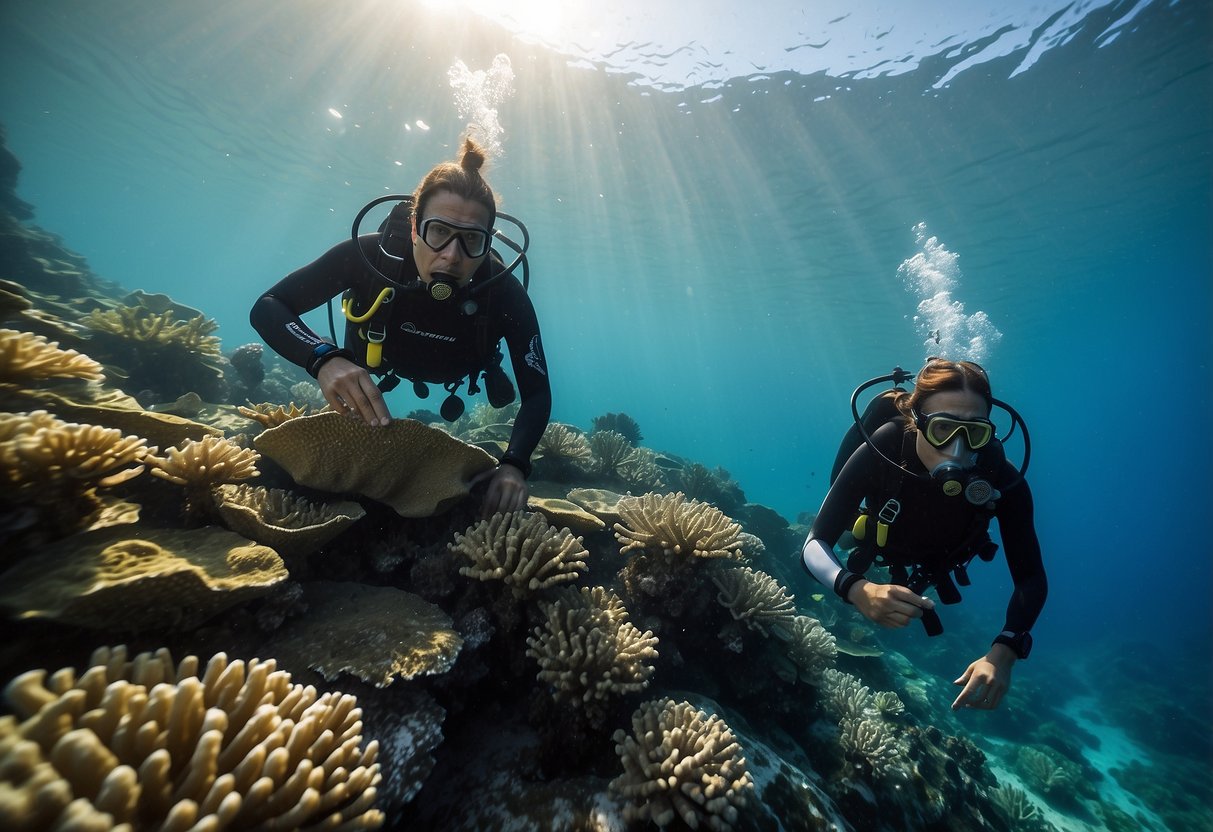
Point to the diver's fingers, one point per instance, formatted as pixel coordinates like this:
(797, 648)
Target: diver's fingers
(908, 596)
(371, 405)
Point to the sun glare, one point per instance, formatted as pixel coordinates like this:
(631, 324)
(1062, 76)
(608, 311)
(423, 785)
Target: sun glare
(551, 23)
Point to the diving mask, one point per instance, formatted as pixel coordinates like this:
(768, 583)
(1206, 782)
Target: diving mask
(439, 233)
(939, 429)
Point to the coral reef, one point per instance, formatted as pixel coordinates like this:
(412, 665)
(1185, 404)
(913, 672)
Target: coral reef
(127, 580)
(522, 550)
(146, 744)
(378, 634)
(612, 452)
(285, 522)
(671, 525)
(563, 452)
(200, 465)
(51, 469)
(620, 423)
(26, 358)
(588, 650)
(681, 763)
(757, 600)
(271, 415)
(416, 469)
(811, 647)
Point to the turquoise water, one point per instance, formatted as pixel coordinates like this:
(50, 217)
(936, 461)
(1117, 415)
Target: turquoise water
(719, 261)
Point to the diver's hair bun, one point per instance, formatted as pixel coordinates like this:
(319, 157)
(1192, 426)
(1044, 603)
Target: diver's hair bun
(473, 156)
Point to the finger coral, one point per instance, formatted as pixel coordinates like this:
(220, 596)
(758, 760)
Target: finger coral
(521, 549)
(148, 745)
(870, 743)
(756, 599)
(673, 525)
(25, 357)
(612, 451)
(681, 763)
(141, 324)
(589, 651)
(200, 464)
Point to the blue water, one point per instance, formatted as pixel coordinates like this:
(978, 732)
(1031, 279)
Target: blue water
(718, 261)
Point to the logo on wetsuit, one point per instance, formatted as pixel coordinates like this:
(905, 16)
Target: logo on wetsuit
(534, 356)
(411, 329)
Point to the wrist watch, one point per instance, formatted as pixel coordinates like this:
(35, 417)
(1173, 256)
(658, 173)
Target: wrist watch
(1020, 643)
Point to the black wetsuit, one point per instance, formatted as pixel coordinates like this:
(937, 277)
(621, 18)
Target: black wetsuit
(930, 524)
(426, 340)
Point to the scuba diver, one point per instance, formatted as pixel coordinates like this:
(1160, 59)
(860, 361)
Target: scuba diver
(428, 300)
(926, 472)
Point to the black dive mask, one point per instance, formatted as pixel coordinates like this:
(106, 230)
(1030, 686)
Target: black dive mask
(963, 471)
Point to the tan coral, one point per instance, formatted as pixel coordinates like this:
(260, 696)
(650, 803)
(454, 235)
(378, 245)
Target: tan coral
(588, 651)
(283, 521)
(416, 469)
(209, 461)
(811, 647)
(270, 415)
(25, 357)
(756, 599)
(140, 324)
(522, 550)
(612, 451)
(565, 514)
(599, 502)
(116, 579)
(565, 443)
(55, 467)
(145, 744)
(681, 763)
(377, 633)
(673, 525)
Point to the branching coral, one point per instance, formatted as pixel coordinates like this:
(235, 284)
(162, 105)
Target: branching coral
(271, 415)
(812, 648)
(54, 467)
(144, 744)
(521, 549)
(589, 651)
(564, 450)
(25, 357)
(845, 696)
(1014, 805)
(640, 470)
(198, 465)
(679, 762)
(871, 742)
(670, 524)
(620, 423)
(1045, 770)
(612, 451)
(143, 325)
(756, 599)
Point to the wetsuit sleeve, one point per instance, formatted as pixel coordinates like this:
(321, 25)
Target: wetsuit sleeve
(530, 371)
(1017, 527)
(837, 512)
(276, 314)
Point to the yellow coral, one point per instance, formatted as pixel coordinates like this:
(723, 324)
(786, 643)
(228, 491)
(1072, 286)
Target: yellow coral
(521, 549)
(27, 357)
(209, 461)
(680, 762)
(672, 525)
(270, 415)
(141, 324)
(144, 744)
(589, 651)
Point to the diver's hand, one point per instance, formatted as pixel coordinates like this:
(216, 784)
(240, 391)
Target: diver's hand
(507, 490)
(349, 389)
(888, 605)
(986, 680)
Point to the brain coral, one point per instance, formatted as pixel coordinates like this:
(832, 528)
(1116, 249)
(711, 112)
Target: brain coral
(116, 579)
(146, 745)
(680, 762)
